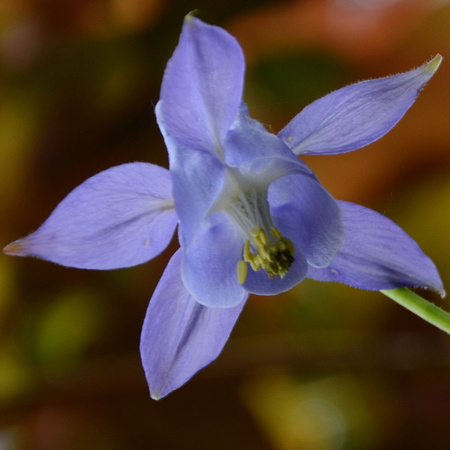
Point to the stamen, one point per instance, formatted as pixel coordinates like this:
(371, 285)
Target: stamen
(275, 257)
(264, 246)
(242, 270)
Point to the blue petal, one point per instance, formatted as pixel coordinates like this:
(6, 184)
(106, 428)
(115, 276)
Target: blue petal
(202, 86)
(198, 179)
(247, 140)
(120, 217)
(356, 115)
(259, 156)
(306, 213)
(209, 267)
(377, 254)
(260, 173)
(260, 283)
(180, 336)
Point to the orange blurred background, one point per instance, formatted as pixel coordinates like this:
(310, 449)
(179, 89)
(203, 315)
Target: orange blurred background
(322, 367)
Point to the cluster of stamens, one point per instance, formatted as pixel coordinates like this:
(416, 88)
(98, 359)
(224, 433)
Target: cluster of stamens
(274, 254)
(264, 246)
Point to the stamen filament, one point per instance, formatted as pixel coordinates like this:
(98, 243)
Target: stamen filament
(264, 246)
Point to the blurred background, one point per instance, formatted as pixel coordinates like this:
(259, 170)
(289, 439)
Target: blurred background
(323, 367)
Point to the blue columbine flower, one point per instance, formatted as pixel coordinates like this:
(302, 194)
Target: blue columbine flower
(252, 217)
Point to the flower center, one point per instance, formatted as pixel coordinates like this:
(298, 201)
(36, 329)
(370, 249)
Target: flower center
(264, 246)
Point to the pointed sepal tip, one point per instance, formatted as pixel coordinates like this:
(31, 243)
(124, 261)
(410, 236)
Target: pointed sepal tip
(434, 64)
(14, 248)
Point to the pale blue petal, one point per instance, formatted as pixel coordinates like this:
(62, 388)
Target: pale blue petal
(180, 336)
(120, 217)
(209, 266)
(354, 116)
(377, 254)
(307, 214)
(202, 86)
(260, 173)
(258, 156)
(247, 140)
(260, 283)
(198, 179)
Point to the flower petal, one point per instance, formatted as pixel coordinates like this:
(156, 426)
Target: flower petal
(202, 86)
(309, 216)
(260, 283)
(377, 254)
(180, 336)
(209, 266)
(248, 140)
(197, 179)
(354, 116)
(120, 217)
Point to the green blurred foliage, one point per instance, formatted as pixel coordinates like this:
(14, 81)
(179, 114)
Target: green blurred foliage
(61, 331)
(291, 80)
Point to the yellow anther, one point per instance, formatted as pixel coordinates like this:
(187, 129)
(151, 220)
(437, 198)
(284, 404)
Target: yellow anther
(276, 232)
(242, 270)
(289, 245)
(247, 253)
(275, 257)
(254, 263)
(261, 237)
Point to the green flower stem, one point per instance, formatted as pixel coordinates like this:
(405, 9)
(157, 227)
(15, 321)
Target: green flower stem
(421, 307)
